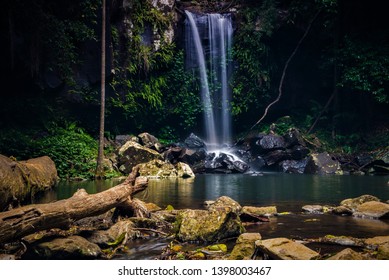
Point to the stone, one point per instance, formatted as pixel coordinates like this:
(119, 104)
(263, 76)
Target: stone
(342, 210)
(298, 152)
(353, 203)
(224, 163)
(293, 137)
(293, 166)
(208, 226)
(150, 141)
(376, 241)
(314, 209)
(322, 164)
(372, 209)
(72, 247)
(226, 203)
(120, 228)
(22, 180)
(275, 156)
(184, 170)
(271, 142)
(132, 153)
(244, 248)
(285, 249)
(120, 140)
(347, 254)
(383, 252)
(194, 142)
(191, 156)
(157, 169)
(260, 211)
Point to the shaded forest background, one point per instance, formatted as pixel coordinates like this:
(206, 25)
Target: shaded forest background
(50, 66)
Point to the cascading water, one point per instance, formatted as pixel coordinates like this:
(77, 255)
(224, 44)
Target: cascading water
(208, 46)
(208, 42)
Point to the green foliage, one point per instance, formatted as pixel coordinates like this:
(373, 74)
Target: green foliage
(71, 148)
(252, 76)
(365, 68)
(73, 151)
(136, 82)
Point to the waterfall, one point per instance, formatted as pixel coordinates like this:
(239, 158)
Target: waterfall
(208, 44)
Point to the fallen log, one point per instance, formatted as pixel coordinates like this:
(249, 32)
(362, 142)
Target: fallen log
(25, 220)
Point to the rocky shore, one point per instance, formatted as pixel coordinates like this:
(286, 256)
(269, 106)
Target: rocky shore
(216, 232)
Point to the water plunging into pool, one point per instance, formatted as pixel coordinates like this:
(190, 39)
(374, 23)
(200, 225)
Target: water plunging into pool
(208, 45)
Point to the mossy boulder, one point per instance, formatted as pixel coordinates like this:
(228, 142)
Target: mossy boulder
(245, 246)
(285, 249)
(72, 247)
(160, 169)
(132, 153)
(208, 226)
(21, 180)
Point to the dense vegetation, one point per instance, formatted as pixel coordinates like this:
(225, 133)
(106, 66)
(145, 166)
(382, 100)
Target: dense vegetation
(50, 74)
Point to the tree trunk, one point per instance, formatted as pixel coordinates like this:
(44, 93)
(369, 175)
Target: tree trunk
(100, 159)
(25, 220)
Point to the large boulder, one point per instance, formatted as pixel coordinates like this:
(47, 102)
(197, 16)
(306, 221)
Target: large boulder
(21, 180)
(285, 249)
(322, 164)
(72, 247)
(244, 248)
(132, 153)
(372, 209)
(271, 142)
(208, 226)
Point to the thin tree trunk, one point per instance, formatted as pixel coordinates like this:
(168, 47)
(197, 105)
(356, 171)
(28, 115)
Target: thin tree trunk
(25, 220)
(284, 71)
(100, 159)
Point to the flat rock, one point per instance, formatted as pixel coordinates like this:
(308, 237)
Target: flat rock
(372, 209)
(378, 240)
(347, 254)
(260, 211)
(315, 209)
(285, 249)
(72, 247)
(244, 248)
(353, 203)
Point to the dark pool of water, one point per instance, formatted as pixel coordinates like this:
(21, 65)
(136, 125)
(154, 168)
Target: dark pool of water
(288, 192)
